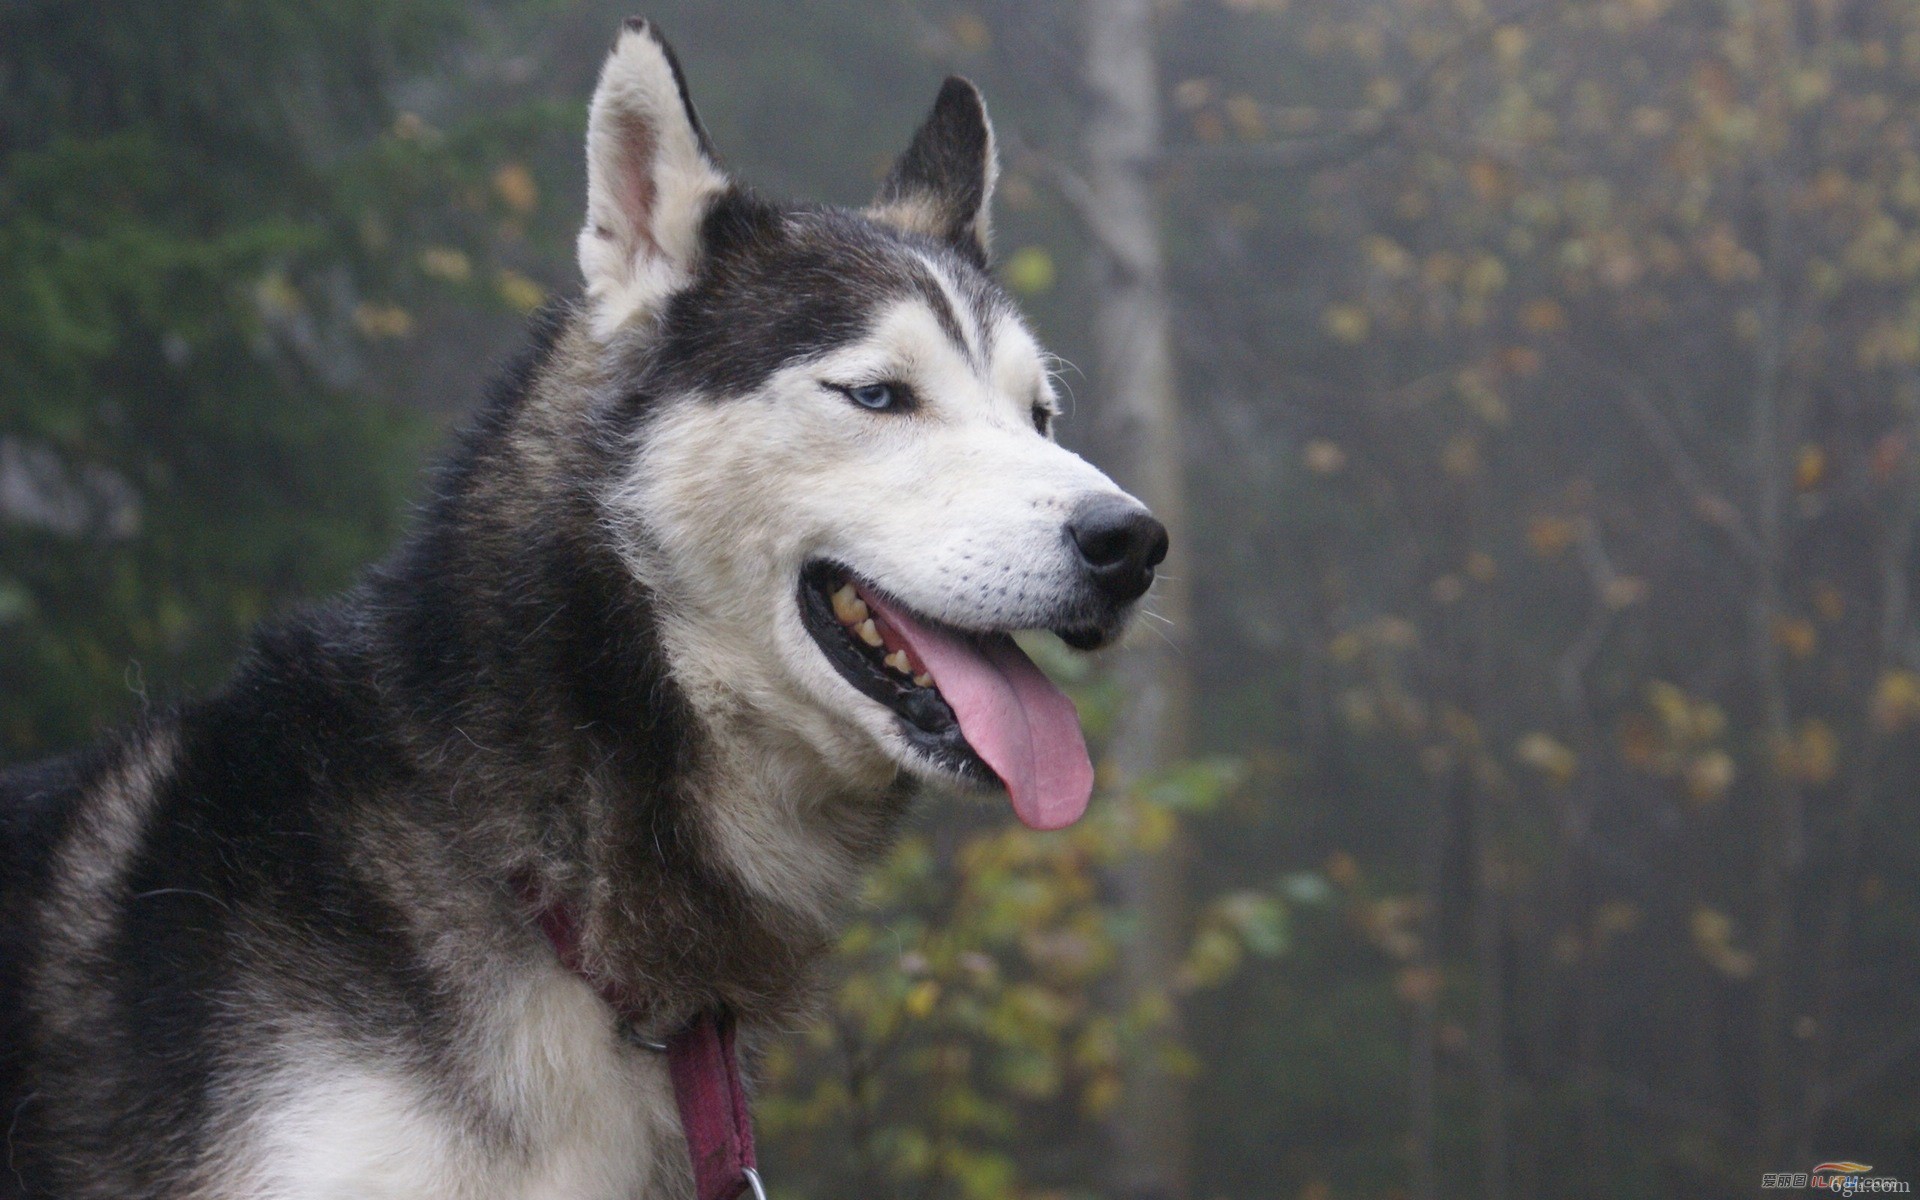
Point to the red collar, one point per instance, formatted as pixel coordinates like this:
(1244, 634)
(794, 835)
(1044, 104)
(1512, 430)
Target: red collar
(704, 1068)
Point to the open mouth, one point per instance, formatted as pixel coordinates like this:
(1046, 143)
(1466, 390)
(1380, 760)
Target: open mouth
(971, 703)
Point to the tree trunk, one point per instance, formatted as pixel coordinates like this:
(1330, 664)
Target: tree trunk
(1423, 1058)
(1140, 437)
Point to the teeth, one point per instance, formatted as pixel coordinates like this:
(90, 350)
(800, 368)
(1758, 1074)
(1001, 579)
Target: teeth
(867, 632)
(923, 680)
(898, 661)
(848, 606)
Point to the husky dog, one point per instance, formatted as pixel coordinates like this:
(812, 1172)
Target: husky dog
(719, 576)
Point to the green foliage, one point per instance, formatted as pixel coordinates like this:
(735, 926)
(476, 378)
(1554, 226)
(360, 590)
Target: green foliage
(186, 195)
(977, 1032)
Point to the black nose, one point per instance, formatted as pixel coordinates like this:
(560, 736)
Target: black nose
(1120, 543)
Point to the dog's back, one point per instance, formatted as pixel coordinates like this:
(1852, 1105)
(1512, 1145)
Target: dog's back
(142, 881)
(38, 803)
(69, 829)
(233, 962)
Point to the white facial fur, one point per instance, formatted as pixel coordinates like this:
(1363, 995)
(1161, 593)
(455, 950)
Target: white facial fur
(958, 508)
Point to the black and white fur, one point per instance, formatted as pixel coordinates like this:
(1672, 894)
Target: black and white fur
(279, 943)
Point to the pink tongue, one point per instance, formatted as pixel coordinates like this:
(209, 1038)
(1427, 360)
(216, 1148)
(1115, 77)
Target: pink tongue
(1014, 718)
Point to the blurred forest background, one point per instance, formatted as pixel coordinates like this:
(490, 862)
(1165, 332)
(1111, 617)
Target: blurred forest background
(1520, 802)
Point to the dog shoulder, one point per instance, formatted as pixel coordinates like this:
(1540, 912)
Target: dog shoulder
(70, 828)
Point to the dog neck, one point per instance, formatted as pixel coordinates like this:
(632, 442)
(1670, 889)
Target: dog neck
(707, 857)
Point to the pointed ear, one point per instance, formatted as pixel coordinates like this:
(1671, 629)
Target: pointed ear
(650, 178)
(943, 183)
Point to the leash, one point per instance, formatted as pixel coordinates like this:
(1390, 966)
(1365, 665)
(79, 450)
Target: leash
(703, 1066)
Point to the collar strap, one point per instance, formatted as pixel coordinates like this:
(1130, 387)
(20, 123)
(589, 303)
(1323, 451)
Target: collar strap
(700, 1061)
(713, 1108)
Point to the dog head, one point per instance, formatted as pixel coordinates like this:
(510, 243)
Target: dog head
(843, 482)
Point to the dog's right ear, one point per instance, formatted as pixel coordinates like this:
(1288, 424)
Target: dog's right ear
(650, 177)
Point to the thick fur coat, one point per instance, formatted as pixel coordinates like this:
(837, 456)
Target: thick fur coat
(281, 942)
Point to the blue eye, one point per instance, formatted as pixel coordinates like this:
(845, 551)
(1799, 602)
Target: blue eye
(873, 395)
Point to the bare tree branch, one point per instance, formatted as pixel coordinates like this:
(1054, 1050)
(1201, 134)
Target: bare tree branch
(1708, 504)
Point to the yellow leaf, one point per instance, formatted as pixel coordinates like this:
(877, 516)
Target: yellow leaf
(1713, 938)
(1477, 391)
(1342, 869)
(1208, 127)
(1710, 926)
(1348, 323)
(277, 298)
(1190, 95)
(1101, 1094)
(921, 998)
(1486, 276)
(1707, 721)
(1709, 775)
(1810, 755)
(1616, 917)
(1487, 178)
(383, 320)
(1650, 122)
(1523, 361)
(1896, 701)
(519, 291)
(1244, 111)
(1510, 42)
(1214, 956)
(1442, 268)
(514, 184)
(1624, 591)
(1548, 756)
(1544, 316)
(1461, 726)
(971, 32)
(1324, 457)
(409, 127)
(1389, 257)
(1640, 742)
(1395, 633)
(1809, 467)
(1796, 635)
(1549, 536)
(1154, 828)
(1029, 270)
(445, 262)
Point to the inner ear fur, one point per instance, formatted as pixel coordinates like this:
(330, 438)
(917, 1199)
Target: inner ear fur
(651, 176)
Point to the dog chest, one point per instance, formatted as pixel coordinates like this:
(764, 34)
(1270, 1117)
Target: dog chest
(553, 1106)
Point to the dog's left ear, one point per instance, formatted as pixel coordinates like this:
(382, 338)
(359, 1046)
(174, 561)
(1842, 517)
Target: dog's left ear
(651, 176)
(944, 182)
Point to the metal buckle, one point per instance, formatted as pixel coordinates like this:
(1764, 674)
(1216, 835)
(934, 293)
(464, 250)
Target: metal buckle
(634, 1037)
(753, 1181)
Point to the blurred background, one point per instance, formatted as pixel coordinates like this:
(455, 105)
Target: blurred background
(1514, 795)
